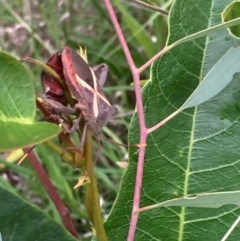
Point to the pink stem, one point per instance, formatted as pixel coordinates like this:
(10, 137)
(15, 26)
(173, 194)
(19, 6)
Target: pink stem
(142, 124)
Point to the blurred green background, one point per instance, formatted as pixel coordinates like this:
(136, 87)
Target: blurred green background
(40, 28)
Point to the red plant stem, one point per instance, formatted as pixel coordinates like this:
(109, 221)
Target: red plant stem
(60, 206)
(142, 124)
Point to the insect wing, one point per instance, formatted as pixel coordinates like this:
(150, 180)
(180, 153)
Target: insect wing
(76, 85)
(77, 74)
(84, 87)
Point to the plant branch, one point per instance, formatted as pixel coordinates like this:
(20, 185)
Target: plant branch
(92, 199)
(155, 57)
(60, 206)
(142, 124)
(150, 6)
(191, 37)
(163, 122)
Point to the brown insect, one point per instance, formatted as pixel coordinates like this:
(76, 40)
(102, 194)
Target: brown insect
(85, 85)
(87, 90)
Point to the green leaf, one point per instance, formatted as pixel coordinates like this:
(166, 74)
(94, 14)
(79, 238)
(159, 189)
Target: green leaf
(21, 220)
(216, 80)
(17, 108)
(205, 200)
(195, 152)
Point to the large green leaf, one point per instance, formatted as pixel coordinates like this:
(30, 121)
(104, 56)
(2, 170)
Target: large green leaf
(21, 220)
(198, 150)
(216, 79)
(17, 108)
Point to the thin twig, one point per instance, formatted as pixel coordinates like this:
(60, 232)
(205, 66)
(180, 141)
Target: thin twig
(163, 122)
(188, 38)
(60, 206)
(142, 124)
(155, 57)
(150, 6)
